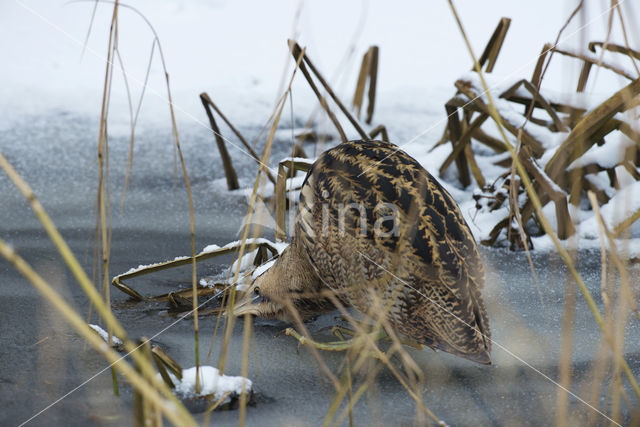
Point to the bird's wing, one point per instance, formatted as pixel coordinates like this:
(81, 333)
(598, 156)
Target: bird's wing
(430, 263)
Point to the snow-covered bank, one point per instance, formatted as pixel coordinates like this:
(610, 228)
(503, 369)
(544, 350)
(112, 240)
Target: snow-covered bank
(236, 51)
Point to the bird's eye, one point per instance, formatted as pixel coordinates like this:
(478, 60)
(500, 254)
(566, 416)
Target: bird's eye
(256, 290)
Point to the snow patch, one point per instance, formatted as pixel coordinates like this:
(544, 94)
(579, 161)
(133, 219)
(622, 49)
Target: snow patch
(105, 335)
(211, 383)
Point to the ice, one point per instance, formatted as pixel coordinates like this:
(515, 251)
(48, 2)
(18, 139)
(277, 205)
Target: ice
(49, 106)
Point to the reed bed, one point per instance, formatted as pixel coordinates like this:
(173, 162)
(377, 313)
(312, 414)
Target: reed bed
(525, 187)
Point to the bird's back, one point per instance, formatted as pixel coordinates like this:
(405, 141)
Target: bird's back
(383, 233)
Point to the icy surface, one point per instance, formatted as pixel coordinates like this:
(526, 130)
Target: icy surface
(49, 108)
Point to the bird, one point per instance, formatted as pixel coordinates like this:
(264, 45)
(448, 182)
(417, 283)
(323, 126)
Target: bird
(375, 229)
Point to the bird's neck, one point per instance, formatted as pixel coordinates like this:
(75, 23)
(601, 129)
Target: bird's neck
(292, 273)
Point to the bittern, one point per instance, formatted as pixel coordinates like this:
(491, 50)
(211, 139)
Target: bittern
(377, 230)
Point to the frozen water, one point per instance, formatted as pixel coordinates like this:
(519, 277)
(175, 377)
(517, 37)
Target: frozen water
(289, 386)
(50, 102)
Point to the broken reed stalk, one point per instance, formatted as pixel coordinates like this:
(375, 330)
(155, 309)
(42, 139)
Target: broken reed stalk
(229, 171)
(247, 318)
(102, 188)
(565, 368)
(265, 157)
(358, 95)
(614, 48)
(594, 61)
(144, 383)
(174, 129)
(207, 102)
(142, 408)
(373, 81)
(543, 220)
(202, 256)
(609, 315)
(194, 278)
(186, 178)
(162, 369)
(368, 344)
(244, 370)
(368, 72)
(582, 138)
(83, 280)
(133, 117)
(296, 51)
(281, 195)
(624, 272)
(380, 130)
(493, 47)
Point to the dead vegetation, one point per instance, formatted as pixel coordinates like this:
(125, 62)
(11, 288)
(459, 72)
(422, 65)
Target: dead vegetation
(557, 178)
(558, 175)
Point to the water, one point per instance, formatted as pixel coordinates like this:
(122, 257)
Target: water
(42, 359)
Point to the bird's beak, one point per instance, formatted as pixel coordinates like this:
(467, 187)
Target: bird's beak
(247, 306)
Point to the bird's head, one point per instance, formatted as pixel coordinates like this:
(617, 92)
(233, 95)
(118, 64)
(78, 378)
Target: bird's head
(265, 298)
(290, 284)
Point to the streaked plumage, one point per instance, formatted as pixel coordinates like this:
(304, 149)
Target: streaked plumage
(427, 268)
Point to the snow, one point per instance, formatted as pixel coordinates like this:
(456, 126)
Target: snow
(105, 335)
(211, 383)
(52, 35)
(246, 263)
(207, 282)
(145, 266)
(253, 241)
(262, 268)
(508, 110)
(245, 77)
(607, 155)
(210, 248)
(236, 51)
(298, 160)
(622, 66)
(623, 205)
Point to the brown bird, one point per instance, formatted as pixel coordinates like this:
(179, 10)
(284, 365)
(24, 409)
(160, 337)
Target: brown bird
(374, 226)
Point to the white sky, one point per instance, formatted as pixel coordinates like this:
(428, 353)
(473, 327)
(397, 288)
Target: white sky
(236, 50)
